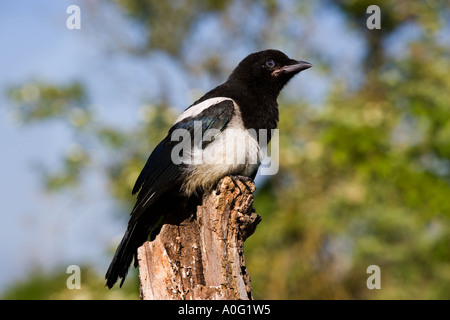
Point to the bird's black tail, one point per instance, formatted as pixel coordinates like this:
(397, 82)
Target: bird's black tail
(134, 237)
(169, 208)
(122, 258)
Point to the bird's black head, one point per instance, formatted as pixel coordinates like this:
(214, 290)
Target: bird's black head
(267, 70)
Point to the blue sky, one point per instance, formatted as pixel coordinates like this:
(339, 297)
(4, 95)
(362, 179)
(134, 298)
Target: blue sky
(45, 231)
(40, 230)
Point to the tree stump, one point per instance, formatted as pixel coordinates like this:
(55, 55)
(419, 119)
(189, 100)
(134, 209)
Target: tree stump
(202, 257)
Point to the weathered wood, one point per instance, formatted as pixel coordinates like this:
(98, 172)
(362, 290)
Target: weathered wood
(202, 256)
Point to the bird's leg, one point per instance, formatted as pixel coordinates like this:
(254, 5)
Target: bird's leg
(242, 179)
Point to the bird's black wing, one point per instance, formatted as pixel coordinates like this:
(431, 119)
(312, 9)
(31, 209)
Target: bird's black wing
(160, 173)
(159, 177)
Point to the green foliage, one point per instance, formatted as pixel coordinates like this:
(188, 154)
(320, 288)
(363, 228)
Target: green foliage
(53, 286)
(364, 179)
(368, 181)
(38, 100)
(168, 18)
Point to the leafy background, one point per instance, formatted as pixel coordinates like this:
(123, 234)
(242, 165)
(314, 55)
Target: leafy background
(364, 139)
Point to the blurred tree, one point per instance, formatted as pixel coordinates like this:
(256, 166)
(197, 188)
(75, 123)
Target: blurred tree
(363, 178)
(52, 286)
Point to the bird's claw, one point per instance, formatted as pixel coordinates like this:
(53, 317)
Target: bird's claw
(243, 180)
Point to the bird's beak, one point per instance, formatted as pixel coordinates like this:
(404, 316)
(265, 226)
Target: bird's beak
(294, 67)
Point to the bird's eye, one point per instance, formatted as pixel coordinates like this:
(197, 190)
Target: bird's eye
(270, 64)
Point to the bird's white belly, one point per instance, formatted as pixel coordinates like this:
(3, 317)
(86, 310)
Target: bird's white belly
(235, 151)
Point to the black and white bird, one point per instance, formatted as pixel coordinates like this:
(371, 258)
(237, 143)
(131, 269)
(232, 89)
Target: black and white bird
(222, 117)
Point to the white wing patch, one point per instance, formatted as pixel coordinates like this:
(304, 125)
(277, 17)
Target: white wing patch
(198, 108)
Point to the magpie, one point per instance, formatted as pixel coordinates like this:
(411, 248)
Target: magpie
(195, 154)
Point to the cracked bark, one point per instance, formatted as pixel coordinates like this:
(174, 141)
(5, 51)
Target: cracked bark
(202, 256)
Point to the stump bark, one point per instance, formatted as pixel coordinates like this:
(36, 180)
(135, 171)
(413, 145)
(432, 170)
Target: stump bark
(202, 256)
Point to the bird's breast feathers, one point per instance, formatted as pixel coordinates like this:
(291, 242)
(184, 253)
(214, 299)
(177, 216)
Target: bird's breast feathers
(235, 150)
